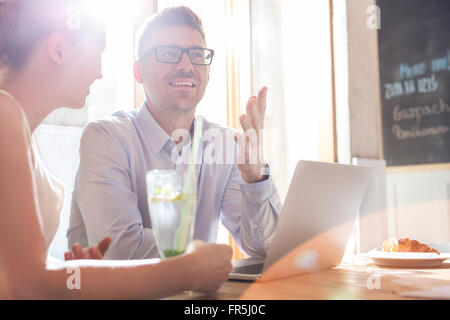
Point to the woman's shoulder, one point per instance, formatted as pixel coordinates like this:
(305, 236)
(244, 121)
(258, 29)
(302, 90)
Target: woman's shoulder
(13, 124)
(10, 112)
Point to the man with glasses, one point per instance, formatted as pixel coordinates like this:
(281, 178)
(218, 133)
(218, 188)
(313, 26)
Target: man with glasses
(172, 65)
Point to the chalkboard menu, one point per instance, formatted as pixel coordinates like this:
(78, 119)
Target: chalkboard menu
(414, 50)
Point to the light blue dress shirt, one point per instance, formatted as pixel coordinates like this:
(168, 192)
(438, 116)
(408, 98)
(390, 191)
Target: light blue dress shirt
(110, 198)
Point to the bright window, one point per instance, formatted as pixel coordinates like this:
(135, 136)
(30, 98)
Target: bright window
(115, 91)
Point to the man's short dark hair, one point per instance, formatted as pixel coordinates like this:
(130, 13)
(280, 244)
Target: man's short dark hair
(172, 16)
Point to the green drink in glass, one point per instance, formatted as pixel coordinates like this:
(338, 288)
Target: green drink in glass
(172, 200)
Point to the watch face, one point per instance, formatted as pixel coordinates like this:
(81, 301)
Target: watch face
(266, 172)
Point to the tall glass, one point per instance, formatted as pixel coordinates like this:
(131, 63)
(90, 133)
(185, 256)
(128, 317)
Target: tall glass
(172, 202)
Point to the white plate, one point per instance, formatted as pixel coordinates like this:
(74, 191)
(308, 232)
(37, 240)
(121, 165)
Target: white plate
(407, 259)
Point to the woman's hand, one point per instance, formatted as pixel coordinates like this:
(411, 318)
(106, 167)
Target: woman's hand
(211, 265)
(94, 252)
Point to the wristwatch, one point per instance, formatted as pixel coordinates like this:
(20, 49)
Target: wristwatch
(266, 172)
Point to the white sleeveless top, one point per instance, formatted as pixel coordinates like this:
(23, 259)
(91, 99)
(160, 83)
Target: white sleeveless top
(49, 191)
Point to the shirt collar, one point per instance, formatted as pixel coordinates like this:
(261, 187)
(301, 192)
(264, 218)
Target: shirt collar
(151, 128)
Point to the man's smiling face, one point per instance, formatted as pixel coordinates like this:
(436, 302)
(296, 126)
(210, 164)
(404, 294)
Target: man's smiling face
(173, 87)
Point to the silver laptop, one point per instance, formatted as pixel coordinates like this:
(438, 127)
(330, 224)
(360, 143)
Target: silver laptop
(315, 222)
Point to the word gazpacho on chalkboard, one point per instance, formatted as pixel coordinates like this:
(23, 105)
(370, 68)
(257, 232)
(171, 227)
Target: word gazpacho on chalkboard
(414, 47)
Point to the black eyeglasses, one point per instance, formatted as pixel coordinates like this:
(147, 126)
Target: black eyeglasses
(174, 55)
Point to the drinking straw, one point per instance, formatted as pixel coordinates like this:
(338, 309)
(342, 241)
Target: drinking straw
(180, 235)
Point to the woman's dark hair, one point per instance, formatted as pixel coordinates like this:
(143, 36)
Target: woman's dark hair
(24, 23)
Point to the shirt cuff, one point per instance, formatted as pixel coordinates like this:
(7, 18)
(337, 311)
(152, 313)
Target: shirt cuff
(259, 191)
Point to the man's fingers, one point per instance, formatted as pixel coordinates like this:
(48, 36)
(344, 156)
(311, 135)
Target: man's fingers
(262, 101)
(94, 253)
(245, 141)
(239, 140)
(248, 146)
(68, 256)
(241, 148)
(245, 122)
(78, 251)
(104, 245)
(253, 112)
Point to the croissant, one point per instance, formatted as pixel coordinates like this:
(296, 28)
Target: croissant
(406, 245)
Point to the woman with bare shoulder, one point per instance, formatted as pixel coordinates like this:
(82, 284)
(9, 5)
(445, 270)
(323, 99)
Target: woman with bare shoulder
(47, 63)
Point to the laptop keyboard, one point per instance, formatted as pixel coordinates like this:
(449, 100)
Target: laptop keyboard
(250, 269)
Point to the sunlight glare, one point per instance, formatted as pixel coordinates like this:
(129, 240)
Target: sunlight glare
(110, 10)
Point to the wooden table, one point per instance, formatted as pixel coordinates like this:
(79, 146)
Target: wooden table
(360, 279)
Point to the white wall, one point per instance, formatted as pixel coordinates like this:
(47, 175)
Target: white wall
(419, 205)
